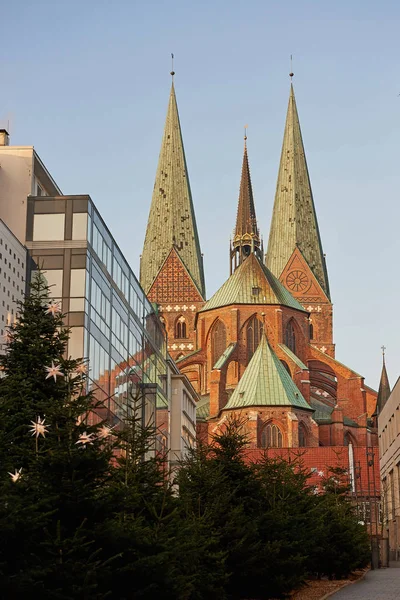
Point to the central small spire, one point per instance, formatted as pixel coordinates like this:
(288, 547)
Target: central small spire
(246, 238)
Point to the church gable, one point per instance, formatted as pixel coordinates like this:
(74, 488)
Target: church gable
(173, 283)
(299, 279)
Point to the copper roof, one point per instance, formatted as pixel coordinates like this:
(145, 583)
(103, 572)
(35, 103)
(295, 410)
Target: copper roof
(266, 382)
(172, 221)
(252, 283)
(294, 221)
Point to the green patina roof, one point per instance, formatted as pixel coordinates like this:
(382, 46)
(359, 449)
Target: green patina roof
(172, 221)
(238, 289)
(294, 221)
(224, 356)
(203, 408)
(266, 382)
(294, 358)
(322, 412)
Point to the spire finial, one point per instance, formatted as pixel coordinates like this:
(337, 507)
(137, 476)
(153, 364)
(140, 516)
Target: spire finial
(291, 74)
(245, 134)
(383, 348)
(172, 66)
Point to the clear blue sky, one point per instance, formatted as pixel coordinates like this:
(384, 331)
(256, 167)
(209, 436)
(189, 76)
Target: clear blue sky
(87, 84)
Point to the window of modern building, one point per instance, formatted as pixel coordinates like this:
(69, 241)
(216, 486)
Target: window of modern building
(48, 227)
(79, 226)
(271, 436)
(77, 288)
(54, 281)
(75, 343)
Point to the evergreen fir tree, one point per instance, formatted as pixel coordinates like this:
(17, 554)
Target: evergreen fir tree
(60, 461)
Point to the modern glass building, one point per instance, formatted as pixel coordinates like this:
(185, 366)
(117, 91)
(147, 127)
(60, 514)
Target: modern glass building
(112, 322)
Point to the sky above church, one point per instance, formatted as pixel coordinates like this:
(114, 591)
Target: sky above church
(87, 83)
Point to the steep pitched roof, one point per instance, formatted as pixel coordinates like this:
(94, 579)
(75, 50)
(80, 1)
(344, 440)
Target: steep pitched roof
(384, 390)
(246, 221)
(266, 382)
(172, 221)
(294, 221)
(252, 276)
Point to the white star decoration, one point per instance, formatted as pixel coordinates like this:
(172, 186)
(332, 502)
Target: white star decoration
(39, 428)
(53, 308)
(104, 432)
(15, 476)
(82, 368)
(320, 473)
(85, 438)
(54, 371)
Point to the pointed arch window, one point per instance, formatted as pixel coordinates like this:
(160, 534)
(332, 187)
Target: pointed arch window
(218, 341)
(271, 437)
(290, 336)
(254, 331)
(286, 366)
(302, 436)
(311, 331)
(180, 328)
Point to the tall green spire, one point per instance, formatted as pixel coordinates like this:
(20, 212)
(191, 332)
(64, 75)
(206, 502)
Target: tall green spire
(172, 221)
(294, 221)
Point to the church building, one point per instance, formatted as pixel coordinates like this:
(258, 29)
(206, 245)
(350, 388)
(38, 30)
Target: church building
(262, 346)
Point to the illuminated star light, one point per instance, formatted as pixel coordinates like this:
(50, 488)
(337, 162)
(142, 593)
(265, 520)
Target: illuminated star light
(85, 438)
(54, 371)
(15, 476)
(104, 432)
(82, 368)
(53, 308)
(320, 473)
(39, 428)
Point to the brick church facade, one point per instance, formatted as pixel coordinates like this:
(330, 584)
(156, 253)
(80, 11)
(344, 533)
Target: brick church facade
(262, 346)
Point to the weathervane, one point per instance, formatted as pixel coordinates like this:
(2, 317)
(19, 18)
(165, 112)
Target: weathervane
(172, 65)
(291, 67)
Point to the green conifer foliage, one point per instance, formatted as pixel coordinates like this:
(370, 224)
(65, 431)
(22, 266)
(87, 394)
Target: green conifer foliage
(61, 462)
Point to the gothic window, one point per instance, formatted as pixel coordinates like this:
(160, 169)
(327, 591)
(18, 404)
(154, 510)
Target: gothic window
(302, 436)
(348, 439)
(218, 341)
(286, 367)
(271, 437)
(311, 331)
(180, 328)
(290, 336)
(254, 330)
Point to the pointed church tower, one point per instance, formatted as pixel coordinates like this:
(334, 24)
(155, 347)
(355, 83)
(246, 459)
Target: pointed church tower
(384, 388)
(171, 267)
(246, 240)
(295, 252)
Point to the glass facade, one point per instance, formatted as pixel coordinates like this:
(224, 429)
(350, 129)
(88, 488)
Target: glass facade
(112, 322)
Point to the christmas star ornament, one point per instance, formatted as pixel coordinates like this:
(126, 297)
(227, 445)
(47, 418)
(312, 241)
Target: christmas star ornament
(15, 476)
(85, 438)
(320, 473)
(39, 428)
(53, 308)
(54, 371)
(104, 432)
(81, 368)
